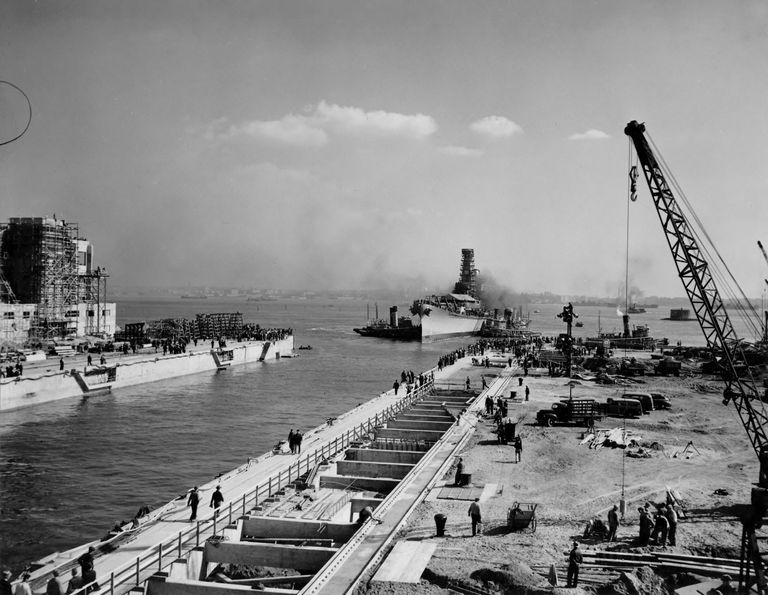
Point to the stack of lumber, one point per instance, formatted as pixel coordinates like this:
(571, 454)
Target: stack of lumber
(660, 561)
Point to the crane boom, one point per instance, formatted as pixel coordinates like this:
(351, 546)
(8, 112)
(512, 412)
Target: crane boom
(705, 299)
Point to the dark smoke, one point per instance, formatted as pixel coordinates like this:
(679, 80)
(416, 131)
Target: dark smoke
(493, 294)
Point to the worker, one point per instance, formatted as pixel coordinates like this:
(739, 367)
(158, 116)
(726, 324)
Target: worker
(672, 518)
(574, 561)
(365, 514)
(459, 472)
(645, 527)
(613, 522)
(476, 516)
(660, 528)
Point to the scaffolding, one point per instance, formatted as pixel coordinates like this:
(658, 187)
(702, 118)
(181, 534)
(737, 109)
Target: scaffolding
(467, 274)
(40, 261)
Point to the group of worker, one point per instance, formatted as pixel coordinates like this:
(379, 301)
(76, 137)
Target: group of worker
(654, 528)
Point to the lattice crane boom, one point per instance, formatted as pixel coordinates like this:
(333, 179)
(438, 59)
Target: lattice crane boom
(705, 299)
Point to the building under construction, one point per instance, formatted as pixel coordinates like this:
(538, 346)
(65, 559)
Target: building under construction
(49, 287)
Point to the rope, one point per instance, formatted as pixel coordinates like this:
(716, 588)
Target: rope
(29, 116)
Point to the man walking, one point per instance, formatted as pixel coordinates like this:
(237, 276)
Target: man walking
(217, 498)
(518, 448)
(574, 561)
(192, 502)
(474, 514)
(613, 522)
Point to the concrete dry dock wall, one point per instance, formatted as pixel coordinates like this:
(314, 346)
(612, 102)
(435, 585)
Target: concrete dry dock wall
(159, 584)
(369, 469)
(428, 435)
(374, 484)
(33, 389)
(296, 528)
(378, 455)
(438, 426)
(306, 559)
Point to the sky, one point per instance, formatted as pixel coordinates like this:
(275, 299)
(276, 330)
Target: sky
(362, 144)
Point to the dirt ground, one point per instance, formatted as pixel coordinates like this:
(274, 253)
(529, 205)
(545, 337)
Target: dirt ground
(571, 483)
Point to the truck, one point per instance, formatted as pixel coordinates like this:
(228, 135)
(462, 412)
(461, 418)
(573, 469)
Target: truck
(571, 411)
(668, 365)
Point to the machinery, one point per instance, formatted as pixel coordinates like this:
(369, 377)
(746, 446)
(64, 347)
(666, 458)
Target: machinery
(729, 351)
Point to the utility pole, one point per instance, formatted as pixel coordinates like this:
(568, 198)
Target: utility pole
(567, 315)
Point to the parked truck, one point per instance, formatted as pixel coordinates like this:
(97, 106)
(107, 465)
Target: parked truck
(571, 411)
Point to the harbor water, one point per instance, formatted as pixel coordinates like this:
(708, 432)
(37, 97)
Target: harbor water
(72, 468)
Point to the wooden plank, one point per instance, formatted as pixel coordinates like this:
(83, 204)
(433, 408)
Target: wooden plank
(406, 562)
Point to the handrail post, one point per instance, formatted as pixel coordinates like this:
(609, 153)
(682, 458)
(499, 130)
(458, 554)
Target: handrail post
(179, 544)
(197, 534)
(111, 583)
(214, 523)
(243, 504)
(138, 559)
(230, 513)
(160, 556)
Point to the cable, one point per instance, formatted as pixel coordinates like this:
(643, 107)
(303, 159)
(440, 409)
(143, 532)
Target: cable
(29, 117)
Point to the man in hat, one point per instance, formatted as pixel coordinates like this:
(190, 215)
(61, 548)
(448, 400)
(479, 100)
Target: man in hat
(575, 559)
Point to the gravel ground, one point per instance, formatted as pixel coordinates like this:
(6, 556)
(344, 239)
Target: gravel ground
(570, 483)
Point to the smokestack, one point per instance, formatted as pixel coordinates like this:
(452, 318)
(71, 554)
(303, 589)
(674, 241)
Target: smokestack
(393, 316)
(625, 318)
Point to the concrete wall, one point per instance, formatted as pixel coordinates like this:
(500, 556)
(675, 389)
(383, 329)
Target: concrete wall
(370, 469)
(22, 391)
(409, 457)
(162, 585)
(431, 435)
(305, 559)
(438, 426)
(374, 484)
(296, 528)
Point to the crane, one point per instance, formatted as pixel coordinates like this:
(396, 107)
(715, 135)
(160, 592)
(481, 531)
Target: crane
(699, 283)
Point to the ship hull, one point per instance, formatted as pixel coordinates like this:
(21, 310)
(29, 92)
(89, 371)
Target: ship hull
(441, 324)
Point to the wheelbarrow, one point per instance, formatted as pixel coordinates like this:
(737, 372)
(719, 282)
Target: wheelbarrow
(521, 516)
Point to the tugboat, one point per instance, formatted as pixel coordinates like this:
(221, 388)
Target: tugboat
(637, 338)
(399, 328)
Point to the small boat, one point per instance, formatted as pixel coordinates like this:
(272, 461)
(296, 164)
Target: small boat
(578, 324)
(305, 347)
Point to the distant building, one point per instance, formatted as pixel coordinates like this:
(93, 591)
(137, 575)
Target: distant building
(48, 284)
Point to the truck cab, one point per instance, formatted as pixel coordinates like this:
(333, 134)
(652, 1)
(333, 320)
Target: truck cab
(571, 411)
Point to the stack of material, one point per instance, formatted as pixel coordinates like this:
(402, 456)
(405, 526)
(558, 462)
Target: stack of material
(170, 328)
(226, 324)
(614, 437)
(623, 561)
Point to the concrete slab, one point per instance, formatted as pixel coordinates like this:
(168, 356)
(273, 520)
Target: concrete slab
(464, 493)
(405, 563)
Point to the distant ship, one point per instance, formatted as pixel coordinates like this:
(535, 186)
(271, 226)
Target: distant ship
(635, 309)
(454, 314)
(679, 315)
(637, 338)
(194, 296)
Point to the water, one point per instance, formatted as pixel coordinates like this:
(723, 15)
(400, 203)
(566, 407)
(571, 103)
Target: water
(70, 469)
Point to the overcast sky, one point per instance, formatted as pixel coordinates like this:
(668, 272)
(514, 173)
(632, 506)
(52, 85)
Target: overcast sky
(356, 144)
